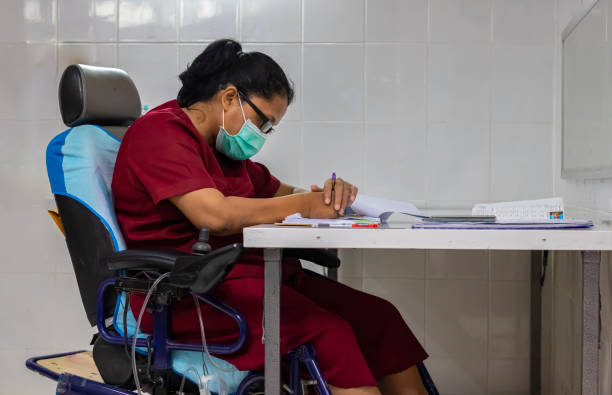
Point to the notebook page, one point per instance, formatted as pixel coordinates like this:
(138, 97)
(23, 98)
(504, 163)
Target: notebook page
(383, 208)
(297, 219)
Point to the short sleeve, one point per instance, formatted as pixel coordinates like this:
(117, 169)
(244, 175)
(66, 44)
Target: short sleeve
(166, 158)
(265, 184)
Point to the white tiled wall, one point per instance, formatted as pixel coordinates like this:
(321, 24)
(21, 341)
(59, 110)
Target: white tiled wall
(595, 195)
(470, 310)
(592, 198)
(439, 96)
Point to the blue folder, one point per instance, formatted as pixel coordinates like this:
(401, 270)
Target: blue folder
(551, 224)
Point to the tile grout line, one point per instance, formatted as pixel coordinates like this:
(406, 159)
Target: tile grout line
(426, 141)
(490, 94)
(238, 21)
(178, 5)
(364, 91)
(117, 18)
(301, 94)
(425, 289)
(56, 52)
(555, 87)
(427, 129)
(488, 321)
(177, 18)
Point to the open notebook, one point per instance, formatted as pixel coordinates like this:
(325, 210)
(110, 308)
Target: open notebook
(365, 210)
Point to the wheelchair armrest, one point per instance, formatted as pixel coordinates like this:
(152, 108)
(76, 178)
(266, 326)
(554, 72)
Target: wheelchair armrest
(318, 256)
(143, 259)
(201, 273)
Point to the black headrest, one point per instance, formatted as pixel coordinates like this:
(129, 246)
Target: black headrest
(98, 95)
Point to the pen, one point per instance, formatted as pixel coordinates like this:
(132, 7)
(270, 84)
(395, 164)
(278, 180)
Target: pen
(333, 180)
(345, 226)
(331, 225)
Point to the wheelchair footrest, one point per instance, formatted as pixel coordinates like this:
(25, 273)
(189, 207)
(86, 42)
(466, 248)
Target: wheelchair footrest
(80, 364)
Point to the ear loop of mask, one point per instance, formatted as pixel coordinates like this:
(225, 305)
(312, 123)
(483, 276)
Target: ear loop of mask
(223, 114)
(242, 109)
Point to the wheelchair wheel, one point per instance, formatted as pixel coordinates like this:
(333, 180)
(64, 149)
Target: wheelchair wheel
(253, 384)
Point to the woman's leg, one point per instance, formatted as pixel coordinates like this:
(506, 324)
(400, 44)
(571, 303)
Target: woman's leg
(302, 321)
(354, 391)
(390, 348)
(407, 382)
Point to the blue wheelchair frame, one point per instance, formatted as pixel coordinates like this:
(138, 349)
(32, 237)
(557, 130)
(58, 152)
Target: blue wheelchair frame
(69, 384)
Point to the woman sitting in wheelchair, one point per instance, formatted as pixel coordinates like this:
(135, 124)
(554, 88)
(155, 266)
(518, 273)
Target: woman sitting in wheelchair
(185, 165)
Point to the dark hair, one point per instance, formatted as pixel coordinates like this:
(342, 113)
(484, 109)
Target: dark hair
(223, 63)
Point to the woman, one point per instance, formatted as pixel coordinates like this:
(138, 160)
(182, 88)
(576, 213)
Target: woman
(185, 165)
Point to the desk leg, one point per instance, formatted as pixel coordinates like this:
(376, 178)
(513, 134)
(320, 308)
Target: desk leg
(272, 262)
(535, 364)
(590, 322)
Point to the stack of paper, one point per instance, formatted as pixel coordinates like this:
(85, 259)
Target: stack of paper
(342, 222)
(526, 214)
(546, 224)
(525, 210)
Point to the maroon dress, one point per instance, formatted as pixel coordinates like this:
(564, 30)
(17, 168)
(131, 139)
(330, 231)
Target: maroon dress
(359, 338)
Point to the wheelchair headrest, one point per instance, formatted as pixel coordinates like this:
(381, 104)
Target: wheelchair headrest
(97, 95)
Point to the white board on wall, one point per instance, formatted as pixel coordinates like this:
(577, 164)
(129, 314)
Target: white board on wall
(587, 94)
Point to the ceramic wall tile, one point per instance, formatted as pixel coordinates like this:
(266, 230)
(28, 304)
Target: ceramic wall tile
(29, 21)
(271, 21)
(148, 20)
(321, 20)
(87, 20)
(205, 20)
(333, 82)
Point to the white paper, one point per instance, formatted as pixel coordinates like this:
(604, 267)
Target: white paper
(520, 210)
(383, 208)
(297, 219)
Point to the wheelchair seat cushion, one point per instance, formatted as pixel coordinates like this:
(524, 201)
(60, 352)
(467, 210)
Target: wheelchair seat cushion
(182, 361)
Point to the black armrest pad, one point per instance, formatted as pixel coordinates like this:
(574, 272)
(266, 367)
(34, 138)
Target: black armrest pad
(318, 256)
(201, 273)
(143, 259)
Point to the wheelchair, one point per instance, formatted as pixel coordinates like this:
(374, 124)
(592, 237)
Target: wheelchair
(98, 104)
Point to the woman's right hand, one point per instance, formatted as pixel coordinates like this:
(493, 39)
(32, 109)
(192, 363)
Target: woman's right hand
(316, 207)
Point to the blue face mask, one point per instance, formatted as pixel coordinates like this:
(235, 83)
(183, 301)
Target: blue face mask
(243, 145)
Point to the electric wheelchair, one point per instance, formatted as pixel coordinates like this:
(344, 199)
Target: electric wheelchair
(98, 104)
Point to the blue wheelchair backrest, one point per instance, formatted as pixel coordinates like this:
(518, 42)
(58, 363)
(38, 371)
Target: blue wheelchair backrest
(80, 164)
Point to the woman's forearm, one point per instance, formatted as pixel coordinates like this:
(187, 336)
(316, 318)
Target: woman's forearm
(243, 212)
(228, 215)
(286, 189)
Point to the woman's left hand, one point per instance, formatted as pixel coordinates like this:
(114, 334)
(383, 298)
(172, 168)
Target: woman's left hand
(342, 196)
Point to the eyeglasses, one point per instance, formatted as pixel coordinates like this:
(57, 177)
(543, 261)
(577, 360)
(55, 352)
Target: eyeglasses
(266, 126)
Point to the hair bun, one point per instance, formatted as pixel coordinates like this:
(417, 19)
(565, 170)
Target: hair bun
(223, 62)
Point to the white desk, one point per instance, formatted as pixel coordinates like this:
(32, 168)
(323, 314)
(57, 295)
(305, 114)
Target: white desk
(399, 236)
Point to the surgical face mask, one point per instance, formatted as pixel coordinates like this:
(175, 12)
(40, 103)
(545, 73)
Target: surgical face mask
(243, 145)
